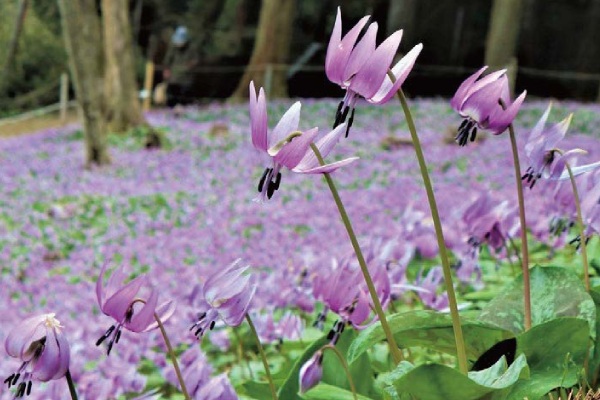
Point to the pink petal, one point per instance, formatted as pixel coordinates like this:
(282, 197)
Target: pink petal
(100, 286)
(461, 92)
(370, 77)
(328, 168)
(49, 362)
(500, 120)
(145, 316)
(258, 118)
(537, 130)
(116, 306)
(164, 312)
(291, 154)
(400, 71)
(482, 103)
(21, 336)
(360, 54)
(234, 310)
(325, 145)
(286, 125)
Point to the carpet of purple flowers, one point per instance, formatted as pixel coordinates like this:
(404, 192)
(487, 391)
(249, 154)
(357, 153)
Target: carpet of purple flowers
(182, 212)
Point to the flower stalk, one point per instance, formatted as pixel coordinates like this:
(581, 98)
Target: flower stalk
(581, 226)
(71, 384)
(263, 357)
(458, 334)
(396, 353)
(524, 247)
(173, 357)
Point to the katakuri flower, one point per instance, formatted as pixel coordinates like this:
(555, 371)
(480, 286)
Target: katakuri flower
(43, 350)
(131, 311)
(287, 146)
(546, 160)
(226, 295)
(362, 68)
(485, 104)
(311, 372)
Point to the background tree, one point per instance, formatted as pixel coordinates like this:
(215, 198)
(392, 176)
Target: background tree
(271, 46)
(82, 33)
(402, 15)
(121, 90)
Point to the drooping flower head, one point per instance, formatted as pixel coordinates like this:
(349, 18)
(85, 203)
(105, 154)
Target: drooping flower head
(43, 350)
(287, 146)
(226, 295)
(362, 68)
(485, 104)
(546, 160)
(125, 304)
(311, 372)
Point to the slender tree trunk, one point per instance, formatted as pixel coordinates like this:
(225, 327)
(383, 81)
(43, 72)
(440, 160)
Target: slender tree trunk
(14, 42)
(503, 35)
(83, 41)
(271, 46)
(121, 92)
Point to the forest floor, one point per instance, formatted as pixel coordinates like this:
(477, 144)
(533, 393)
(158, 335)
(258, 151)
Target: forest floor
(14, 127)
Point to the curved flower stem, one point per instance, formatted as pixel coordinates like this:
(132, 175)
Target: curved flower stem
(344, 366)
(524, 248)
(396, 353)
(71, 384)
(173, 357)
(263, 357)
(458, 334)
(586, 267)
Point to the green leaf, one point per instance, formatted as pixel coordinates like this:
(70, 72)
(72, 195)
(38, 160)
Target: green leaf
(257, 390)
(555, 292)
(432, 330)
(324, 391)
(555, 352)
(594, 366)
(435, 381)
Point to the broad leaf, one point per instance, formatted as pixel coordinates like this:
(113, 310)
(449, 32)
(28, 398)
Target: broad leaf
(324, 391)
(555, 292)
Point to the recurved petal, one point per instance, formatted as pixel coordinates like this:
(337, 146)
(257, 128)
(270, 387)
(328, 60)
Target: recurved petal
(500, 119)
(145, 316)
(293, 152)
(234, 310)
(328, 168)
(360, 54)
(578, 170)
(325, 145)
(164, 311)
(258, 118)
(218, 283)
(286, 125)
(400, 71)
(64, 355)
(116, 305)
(461, 93)
(537, 130)
(21, 336)
(100, 285)
(481, 104)
(370, 77)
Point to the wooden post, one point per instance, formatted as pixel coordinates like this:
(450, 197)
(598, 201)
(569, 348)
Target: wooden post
(64, 97)
(148, 83)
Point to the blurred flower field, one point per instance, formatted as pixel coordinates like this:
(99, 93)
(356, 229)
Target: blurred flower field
(183, 212)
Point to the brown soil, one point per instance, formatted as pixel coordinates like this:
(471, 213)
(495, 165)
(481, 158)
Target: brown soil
(13, 128)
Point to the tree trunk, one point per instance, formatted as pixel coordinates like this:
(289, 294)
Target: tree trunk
(121, 92)
(271, 46)
(14, 43)
(83, 42)
(503, 35)
(402, 15)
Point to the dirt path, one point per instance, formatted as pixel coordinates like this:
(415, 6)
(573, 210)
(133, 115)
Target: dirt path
(33, 124)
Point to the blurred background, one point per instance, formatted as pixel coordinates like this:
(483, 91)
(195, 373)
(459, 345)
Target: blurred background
(550, 46)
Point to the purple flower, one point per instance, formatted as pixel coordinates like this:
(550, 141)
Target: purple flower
(361, 68)
(287, 146)
(226, 296)
(485, 104)
(119, 301)
(43, 350)
(590, 208)
(218, 388)
(311, 372)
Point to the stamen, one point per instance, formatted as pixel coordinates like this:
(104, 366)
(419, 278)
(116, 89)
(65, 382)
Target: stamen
(28, 388)
(262, 180)
(21, 389)
(106, 335)
(277, 180)
(350, 122)
(338, 115)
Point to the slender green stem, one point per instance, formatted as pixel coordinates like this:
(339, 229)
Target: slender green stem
(344, 366)
(241, 354)
(458, 334)
(581, 226)
(71, 384)
(524, 248)
(396, 353)
(263, 357)
(172, 355)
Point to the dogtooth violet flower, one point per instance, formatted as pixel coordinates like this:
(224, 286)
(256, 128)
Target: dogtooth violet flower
(311, 372)
(43, 350)
(226, 295)
(287, 146)
(485, 104)
(131, 311)
(362, 68)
